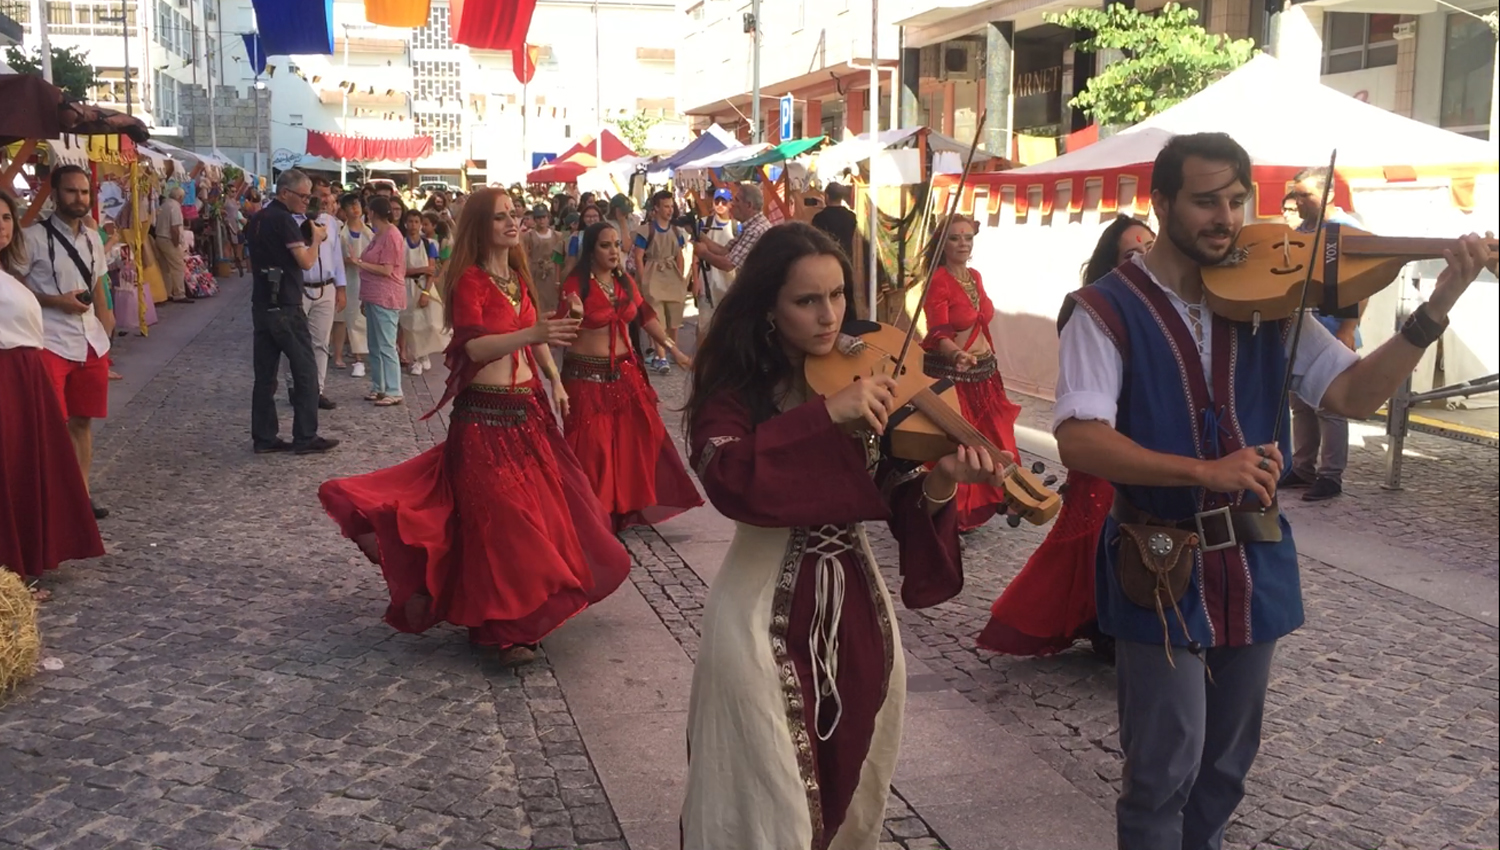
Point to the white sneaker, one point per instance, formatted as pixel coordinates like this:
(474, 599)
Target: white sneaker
(426, 363)
(359, 370)
(416, 367)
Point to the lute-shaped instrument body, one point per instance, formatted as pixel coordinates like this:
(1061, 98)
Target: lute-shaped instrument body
(928, 424)
(1263, 277)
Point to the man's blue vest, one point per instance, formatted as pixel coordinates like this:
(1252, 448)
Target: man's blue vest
(1250, 593)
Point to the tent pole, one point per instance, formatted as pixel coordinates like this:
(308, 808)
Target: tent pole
(598, 99)
(873, 129)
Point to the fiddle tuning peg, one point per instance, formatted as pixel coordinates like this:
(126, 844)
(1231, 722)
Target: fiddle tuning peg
(1063, 490)
(1038, 468)
(1013, 520)
(1049, 481)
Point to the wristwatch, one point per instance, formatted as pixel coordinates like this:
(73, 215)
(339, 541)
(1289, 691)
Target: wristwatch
(1421, 329)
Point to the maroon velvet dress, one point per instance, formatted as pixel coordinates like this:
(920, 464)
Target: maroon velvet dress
(498, 524)
(612, 425)
(800, 683)
(953, 311)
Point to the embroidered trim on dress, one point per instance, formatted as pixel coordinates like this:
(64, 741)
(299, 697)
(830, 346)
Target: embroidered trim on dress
(497, 407)
(791, 688)
(709, 450)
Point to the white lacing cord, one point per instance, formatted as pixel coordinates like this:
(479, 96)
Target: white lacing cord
(828, 608)
(1195, 315)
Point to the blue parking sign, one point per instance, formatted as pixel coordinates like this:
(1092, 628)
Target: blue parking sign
(786, 117)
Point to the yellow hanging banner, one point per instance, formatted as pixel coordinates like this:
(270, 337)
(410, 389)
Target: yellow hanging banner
(405, 14)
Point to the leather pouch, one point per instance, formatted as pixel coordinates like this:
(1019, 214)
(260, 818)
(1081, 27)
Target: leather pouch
(1155, 564)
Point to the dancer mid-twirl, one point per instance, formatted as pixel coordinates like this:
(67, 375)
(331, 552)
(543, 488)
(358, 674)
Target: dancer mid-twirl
(496, 529)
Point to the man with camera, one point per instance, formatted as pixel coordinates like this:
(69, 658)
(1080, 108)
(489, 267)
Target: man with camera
(66, 268)
(279, 254)
(322, 285)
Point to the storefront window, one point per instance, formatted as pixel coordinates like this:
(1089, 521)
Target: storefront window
(1468, 74)
(1354, 42)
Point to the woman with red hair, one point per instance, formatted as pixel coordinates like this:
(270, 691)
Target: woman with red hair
(959, 349)
(612, 423)
(497, 528)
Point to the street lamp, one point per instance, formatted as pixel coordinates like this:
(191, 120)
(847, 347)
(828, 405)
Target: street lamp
(123, 19)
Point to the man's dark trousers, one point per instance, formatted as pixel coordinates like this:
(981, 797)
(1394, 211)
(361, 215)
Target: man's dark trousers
(278, 331)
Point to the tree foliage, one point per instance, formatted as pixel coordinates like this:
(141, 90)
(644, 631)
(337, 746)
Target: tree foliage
(71, 70)
(633, 130)
(1168, 58)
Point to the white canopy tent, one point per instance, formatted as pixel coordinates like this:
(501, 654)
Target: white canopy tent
(1402, 176)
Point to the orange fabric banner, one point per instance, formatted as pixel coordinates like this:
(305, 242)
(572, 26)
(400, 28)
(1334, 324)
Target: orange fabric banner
(406, 14)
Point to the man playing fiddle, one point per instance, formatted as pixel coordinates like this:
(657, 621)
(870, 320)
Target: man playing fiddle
(1177, 407)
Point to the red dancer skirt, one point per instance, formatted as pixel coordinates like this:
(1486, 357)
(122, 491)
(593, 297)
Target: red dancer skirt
(1050, 603)
(982, 400)
(617, 435)
(45, 516)
(497, 525)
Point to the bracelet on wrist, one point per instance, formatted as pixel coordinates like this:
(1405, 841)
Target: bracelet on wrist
(1421, 330)
(927, 497)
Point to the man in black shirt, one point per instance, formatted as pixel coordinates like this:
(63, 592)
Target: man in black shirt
(836, 219)
(278, 255)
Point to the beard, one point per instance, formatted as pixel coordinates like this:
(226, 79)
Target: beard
(1187, 241)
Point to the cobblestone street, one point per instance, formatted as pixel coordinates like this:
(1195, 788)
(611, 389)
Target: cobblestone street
(227, 681)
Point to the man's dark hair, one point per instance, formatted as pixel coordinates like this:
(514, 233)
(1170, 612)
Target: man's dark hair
(658, 198)
(836, 193)
(57, 175)
(320, 182)
(1317, 175)
(1166, 175)
(349, 199)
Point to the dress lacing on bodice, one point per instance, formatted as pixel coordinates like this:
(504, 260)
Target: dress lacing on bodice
(827, 542)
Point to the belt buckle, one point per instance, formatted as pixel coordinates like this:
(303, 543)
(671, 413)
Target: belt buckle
(1211, 519)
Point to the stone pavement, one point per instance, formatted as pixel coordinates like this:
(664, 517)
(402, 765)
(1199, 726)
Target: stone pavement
(227, 681)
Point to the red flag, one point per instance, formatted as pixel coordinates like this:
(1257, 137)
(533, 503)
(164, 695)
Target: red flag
(491, 24)
(523, 61)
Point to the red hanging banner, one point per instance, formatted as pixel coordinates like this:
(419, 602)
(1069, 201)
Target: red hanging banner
(492, 24)
(523, 62)
(336, 146)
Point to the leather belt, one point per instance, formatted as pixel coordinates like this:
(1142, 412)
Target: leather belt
(1220, 528)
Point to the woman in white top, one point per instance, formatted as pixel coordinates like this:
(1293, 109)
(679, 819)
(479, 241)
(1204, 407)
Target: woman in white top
(45, 515)
(422, 320)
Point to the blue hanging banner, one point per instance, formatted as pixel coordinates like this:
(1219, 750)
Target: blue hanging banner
(256, 52)
(295, 27)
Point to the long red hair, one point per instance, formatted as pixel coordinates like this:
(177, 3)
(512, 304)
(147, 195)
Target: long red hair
(474, 246)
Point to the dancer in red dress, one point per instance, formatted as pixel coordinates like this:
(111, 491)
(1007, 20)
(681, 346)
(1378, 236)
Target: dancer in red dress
(45, 516)
(611, 423)
(496, 529)
(1050, 603)
(959, 348)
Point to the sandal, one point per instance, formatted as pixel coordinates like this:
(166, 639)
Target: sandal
(517, 656)
(39, 594)
(389, 401)
(375, 397)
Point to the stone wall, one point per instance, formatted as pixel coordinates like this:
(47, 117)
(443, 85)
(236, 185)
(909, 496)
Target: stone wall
(239, 123)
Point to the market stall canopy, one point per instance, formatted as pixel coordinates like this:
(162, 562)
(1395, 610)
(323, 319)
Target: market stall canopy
(712, 140)
(579, 159)
(295, 27)
(36, 109)
(1252, 105)
(337, 146)
(213, 163)
(836, 158)
(781, 153)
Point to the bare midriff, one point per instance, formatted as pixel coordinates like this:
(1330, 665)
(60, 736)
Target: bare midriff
(974, 339)
(508, 370)
(594, 342)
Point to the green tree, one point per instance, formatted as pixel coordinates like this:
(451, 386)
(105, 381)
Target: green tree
(71, 70)
(1168, 58)
(633, 130)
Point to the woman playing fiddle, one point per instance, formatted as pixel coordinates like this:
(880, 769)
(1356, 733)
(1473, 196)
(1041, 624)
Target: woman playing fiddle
(497, 528)
(611, 423)
(1050, 603)
(959, 349)
(799, 687)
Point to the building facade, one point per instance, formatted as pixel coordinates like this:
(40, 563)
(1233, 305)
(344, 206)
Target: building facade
(953, 62)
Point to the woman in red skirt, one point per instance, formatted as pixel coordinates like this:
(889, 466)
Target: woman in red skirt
(612, 423)
(959, 348)
(497, 528)
(1050, 603)
(45, 515)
